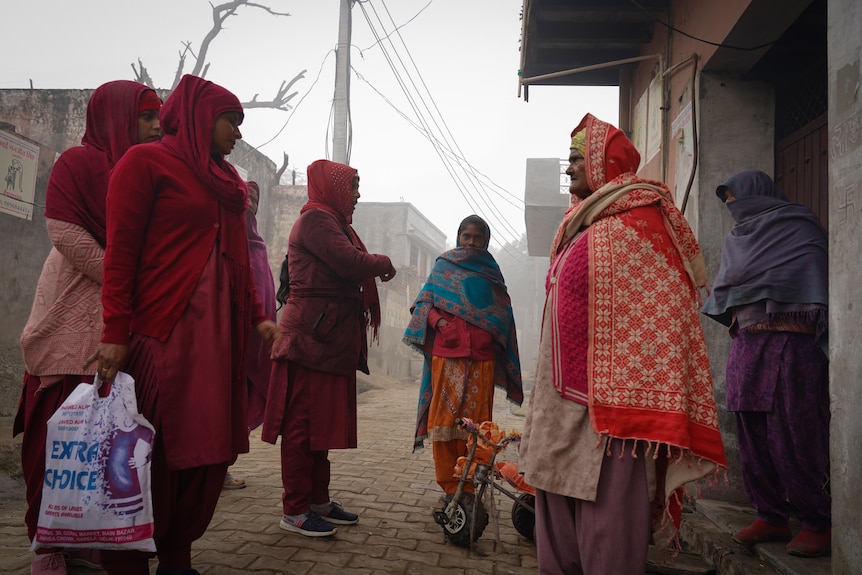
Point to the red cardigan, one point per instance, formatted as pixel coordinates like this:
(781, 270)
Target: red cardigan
(162, 224)
(459, 338)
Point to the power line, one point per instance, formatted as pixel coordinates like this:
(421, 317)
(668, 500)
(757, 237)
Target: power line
(436, 142)
(295, 108)
(431, 97)
(447, 156)
(397, 27)
(482, 196)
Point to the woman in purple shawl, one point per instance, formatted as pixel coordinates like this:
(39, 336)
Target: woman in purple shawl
(258, 364)
(257, 360)
(772, 292)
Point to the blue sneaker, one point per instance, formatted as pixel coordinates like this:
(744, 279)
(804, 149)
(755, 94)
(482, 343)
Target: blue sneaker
(310, 524)
(335, 513)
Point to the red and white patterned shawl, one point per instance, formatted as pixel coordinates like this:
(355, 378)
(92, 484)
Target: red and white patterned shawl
(647, 369)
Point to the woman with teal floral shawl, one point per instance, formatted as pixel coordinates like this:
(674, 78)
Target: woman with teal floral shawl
(462, 323)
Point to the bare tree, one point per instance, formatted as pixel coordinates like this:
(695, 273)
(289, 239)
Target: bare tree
(222, 12)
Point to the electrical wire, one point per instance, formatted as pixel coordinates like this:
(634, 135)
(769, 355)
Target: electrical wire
(717, 44)
(397, 28)
(478, 189)
(448, 157)
(434, 141)
(293, 111)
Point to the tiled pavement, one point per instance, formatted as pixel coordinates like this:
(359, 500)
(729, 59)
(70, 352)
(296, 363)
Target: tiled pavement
(391, 488)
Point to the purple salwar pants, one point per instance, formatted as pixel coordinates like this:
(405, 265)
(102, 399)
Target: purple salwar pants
(783, 447)
(608, 536)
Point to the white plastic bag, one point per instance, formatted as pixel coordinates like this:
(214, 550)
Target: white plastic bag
(96, 491)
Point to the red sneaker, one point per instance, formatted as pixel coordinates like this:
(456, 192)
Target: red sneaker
(761, 532)
(810, 544)
(48, 564)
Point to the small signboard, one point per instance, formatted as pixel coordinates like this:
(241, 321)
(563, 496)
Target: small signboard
(19, 160)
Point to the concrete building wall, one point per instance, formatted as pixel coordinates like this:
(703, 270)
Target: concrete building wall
(736, 134)
(544, 203)
(278, 211)
(845, 277)
(394, 229)
(25, 247)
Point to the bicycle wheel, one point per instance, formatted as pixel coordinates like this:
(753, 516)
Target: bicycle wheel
(457, 529)
(523, 519)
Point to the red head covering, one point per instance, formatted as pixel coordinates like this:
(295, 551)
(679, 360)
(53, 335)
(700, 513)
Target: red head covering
(188, 118)
(330, 188)
(149, 101)
(79, 180)
(608, 154)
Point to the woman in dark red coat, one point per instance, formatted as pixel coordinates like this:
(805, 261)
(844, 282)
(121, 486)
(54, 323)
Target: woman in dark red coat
(179, 299)
(331, 303)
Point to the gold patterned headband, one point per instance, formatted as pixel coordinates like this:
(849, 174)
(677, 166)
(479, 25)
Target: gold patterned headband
(579, 141)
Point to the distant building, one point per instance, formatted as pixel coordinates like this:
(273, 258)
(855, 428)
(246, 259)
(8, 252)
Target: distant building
(546, 199)
(413, 243)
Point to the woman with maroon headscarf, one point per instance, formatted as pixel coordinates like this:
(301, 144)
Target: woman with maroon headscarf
(312, 391)
(178, 301)
(622, 412)
(65, 322)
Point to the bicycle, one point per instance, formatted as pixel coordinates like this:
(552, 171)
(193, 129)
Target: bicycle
(463, 517)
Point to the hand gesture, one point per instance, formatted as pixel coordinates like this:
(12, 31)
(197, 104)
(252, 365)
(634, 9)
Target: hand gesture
(388, 274)
(269, 331)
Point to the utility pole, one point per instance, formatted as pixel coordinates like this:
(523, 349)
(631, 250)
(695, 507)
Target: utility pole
(341, 114)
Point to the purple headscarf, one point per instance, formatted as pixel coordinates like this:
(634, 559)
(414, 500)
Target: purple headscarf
(257, 360)
(776, 251)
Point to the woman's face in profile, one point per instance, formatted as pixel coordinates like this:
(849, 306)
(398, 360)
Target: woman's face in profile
(577, 173)
(226, 133)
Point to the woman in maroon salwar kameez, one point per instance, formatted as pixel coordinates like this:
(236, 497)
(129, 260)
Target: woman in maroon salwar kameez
(312, 391)
(65, 323)
(178, 301)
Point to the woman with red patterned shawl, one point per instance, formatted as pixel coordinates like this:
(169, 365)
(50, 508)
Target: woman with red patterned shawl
(178, 301)
(65, 322)
(331, 303)
(622, 411)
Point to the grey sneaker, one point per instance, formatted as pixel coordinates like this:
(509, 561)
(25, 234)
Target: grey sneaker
(310, 524)
(335, 513)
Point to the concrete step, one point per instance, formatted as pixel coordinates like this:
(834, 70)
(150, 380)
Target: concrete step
(709, 533)
(685, 563)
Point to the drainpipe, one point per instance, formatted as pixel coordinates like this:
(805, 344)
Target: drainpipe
(694, 136)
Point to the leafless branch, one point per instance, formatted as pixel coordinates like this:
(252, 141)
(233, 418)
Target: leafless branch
(281, 99)
(181, 64)
(281, 169)
(220, 13)
(142, 75)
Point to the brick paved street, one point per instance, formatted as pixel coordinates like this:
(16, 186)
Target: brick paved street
(391, 488)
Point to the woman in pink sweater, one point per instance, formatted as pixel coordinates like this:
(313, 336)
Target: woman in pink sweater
(65, 322)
